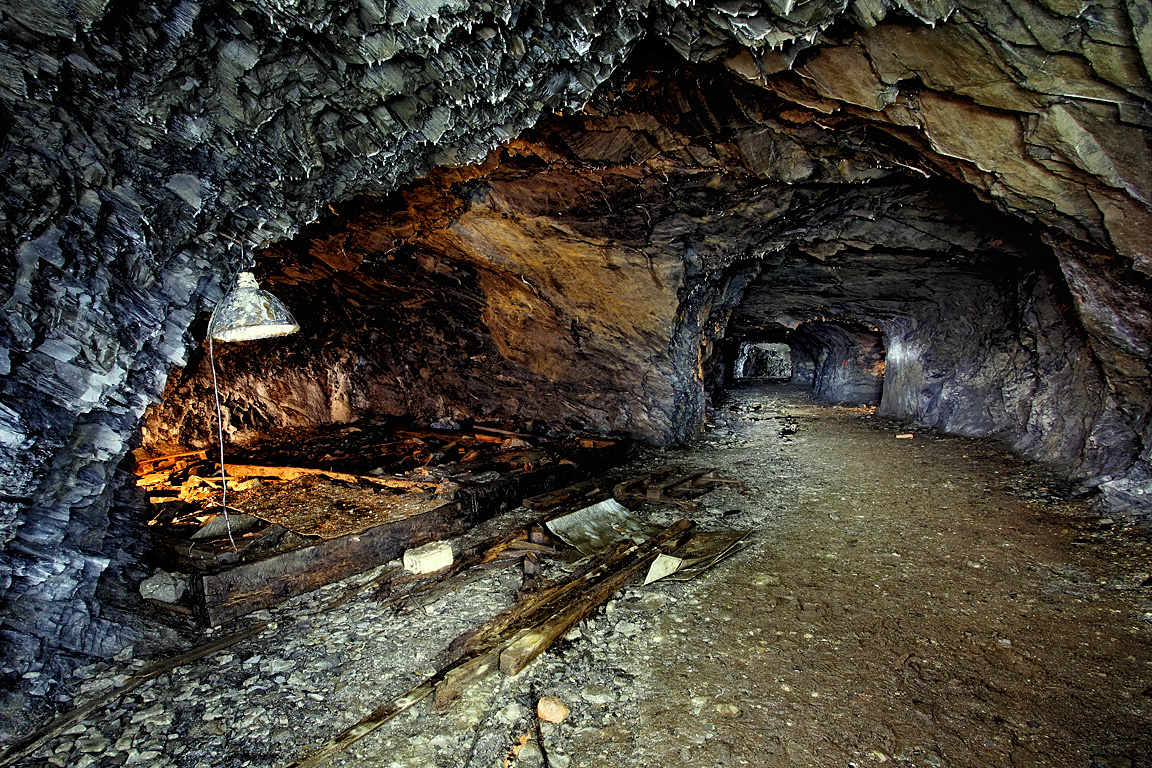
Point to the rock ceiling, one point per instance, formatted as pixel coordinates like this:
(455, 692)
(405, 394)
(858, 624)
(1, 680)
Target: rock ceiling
(971, 179)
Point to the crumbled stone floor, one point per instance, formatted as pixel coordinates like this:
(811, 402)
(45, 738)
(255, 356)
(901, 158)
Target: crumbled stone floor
(924, 601)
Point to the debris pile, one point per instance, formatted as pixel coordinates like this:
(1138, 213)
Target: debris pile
(304, 510)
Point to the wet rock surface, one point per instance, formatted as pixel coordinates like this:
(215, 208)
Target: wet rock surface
(926, 601)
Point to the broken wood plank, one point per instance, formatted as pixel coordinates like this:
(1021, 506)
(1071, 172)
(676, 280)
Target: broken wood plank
(379, 717)
(505, 432)
(36, 739)
(531, 642)
(462, 675)
(579, 492)
(295, 473)
(153, 461)
(231, 593)
(542, 604)
(524, 612)
(626, 487)
(656, 491)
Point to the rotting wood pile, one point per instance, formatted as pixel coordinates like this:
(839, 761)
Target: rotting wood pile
(306, 510)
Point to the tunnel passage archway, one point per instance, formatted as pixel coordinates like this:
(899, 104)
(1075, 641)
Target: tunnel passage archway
(762, 361)
(841, 363)
(134, 154)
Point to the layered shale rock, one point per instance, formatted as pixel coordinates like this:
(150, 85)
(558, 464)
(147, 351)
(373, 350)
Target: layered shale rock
(586, 272)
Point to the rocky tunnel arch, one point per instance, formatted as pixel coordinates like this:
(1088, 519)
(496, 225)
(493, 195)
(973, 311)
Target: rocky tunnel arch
(141, 138)
(842, 363)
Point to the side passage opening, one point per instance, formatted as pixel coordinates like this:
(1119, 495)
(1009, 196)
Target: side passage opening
(841, 363)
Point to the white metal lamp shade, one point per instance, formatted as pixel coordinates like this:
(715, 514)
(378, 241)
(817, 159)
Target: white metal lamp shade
(248, 313)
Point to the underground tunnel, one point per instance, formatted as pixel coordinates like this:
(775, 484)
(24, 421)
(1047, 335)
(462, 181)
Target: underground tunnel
(530, 247)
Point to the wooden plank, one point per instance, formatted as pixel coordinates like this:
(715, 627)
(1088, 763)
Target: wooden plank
(36, 739)
(294, 473)
(462, 675)
(379, 717)
(656, 490)
(526, 612)
(201, 454)
(238, 591)
(584, 491)
(626, 487)
(506, 433)
(531, 642)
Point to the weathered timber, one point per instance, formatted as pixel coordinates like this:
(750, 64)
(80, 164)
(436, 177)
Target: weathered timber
(533, 641)
(293, 473)
(526, 612)
(629, 487)
(379, 717)
(249, 587)
(36, 739)
(506, 433)
(155, 461)
(462, 675)
(545, 603)
(583, 493)
(656, 491)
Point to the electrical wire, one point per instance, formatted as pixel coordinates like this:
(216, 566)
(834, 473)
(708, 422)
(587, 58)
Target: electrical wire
(220, 435)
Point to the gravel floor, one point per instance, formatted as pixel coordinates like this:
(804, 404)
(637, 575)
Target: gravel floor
(927, 601)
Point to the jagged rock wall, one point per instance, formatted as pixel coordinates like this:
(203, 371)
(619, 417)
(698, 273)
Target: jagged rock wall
(142, 138)
(847, 364)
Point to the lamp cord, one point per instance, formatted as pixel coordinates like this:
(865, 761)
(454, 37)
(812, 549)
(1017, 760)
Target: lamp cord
(220, 435)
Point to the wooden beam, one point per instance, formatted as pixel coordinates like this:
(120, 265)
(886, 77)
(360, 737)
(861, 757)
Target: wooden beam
(235, 592)
(531, 642)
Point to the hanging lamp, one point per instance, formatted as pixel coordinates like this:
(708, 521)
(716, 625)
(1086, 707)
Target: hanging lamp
(245, 314)
(248, 313)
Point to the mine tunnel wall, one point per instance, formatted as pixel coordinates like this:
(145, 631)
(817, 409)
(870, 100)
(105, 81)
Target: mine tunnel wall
(143, 139)
(1012, 364)
(847, 364)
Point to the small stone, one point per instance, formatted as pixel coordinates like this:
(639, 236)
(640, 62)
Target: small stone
(513, 713)
(530, 755)
(551, 710)
(597, 694)
(146, 757)
(92, 744)
(163, 586)
(627, 628)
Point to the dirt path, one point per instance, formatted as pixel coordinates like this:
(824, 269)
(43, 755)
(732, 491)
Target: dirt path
(909, 603)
